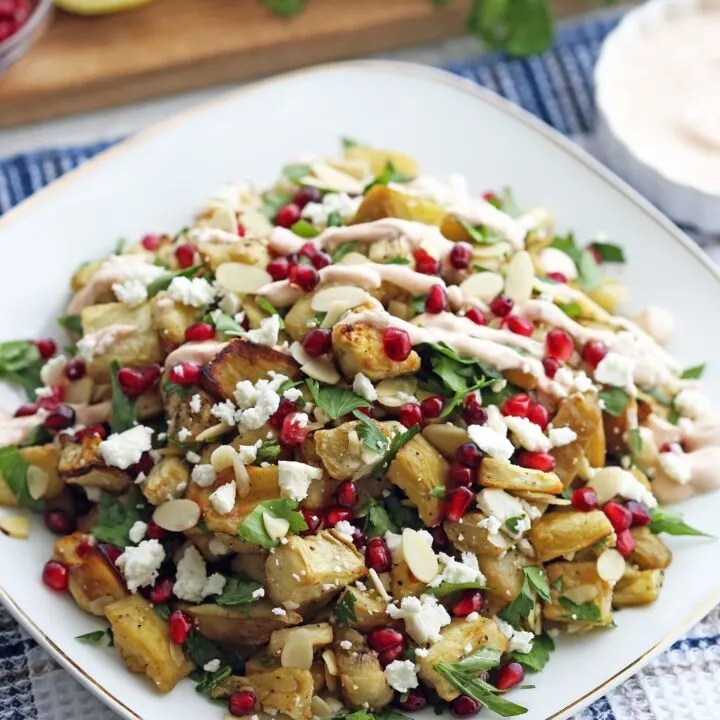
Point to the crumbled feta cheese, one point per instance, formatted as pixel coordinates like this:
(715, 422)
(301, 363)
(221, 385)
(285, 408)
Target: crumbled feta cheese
(101, 341)
(676, 467)
(192, 582)
(278, 611)
(294, 479)
(230, 305)
(528, 434)
(203, 475)
(491, 524)
(345, 644)
(192, 457)
(257, 594)
(248, 453)
(422, 652)
(491, 442)
(218, 547)
(582, 382)
(224, 412)
(131, 292)
(502, 506)
(317, 212)
(616, 370)
(293, 394)
(520, 640)
(212, 666)
(466, 570)
(140, 565)
(562, 436)
(401, 675)
(472, 617)
(137, 531)
(195, 292)
(51, 373)
(223, 499)
(424, 617)
(345, 529)
(195, 404)
(364, 387)
(692, 404)
(121, 450)
(183, 434)
(267, 333)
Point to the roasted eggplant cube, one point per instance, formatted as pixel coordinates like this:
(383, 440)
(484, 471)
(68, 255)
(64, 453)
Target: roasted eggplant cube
(80, 463)
(578, 595)
(501, 474)
(562, 533)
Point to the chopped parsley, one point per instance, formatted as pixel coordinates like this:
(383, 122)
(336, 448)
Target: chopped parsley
(252, 528)
(20, 363)
(665, 520)
(614, 401)
(693, 373)
(539, 656)
(334, 401)
(587, 612)
(372, 436)
(13, 470)
(342, 250)
(238, 591)
(117, 515)
(345, 608)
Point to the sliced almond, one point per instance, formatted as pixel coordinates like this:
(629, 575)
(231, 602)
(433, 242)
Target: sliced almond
(540, 497)
(80, 391)
(354, 258)
(223, 218)
(320, 709)
(581, 594)
(328, 178)
(378, 584)
(611, 566)
(240, 278)
(242, 478)
(177, 515)
(38, 481)
(298, 652)
(212, 432)
(223, 457)
(328, 657)
(484, 286)
(520, 277)
(607, 483)
(493, 252)
(419, 556)
(16, 526)
(352, 296)
(299, 354)
(333, 315)
(275, 527)
(322, 370)
(394, 392)
(445, 437)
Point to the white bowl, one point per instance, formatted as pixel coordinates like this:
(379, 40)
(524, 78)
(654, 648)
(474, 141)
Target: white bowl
(685, 202)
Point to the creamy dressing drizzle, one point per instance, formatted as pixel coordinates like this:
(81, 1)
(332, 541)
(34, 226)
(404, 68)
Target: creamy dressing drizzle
(102, 340)
(208, 234)
(198, 353)
(112, 271)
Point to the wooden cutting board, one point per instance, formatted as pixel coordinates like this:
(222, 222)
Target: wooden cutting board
(169, 46)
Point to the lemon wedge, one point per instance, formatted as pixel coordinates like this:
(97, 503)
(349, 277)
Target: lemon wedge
(98, 7)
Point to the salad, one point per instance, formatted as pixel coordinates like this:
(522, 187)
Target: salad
(359, 444)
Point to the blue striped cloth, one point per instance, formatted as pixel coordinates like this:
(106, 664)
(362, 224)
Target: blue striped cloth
(556, 87)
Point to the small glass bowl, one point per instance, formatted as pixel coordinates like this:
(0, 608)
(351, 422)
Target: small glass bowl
(14, 47)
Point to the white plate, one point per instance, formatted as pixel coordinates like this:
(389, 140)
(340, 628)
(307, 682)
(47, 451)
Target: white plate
(155, 181)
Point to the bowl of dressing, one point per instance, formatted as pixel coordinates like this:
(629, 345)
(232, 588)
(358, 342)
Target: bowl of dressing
(658, 98)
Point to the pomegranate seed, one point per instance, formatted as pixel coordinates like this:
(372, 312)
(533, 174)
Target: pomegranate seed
(185, 373)
(557, 277)
(533, 460)
(279, 268)
(75, 369)
(559, 345)
(162, 592)
(460, 255)
(241, 703)
(584, 498)
(594, 352)
(509, 676)
(58, 395)
(309, 250)
(59, 522)
(46, 347)
(287, 215)
(306, 195)
(179, 624)
(26, 410)
(336, 514)
(518, 325)
(476, 315)
(668, 447)
(284, 409)
(465, 706)
(492, 198)
(551, 366)
(436, 300)
(431, 407)
(501, 306)
(321, 260)
(56, 575)
(111, 552)
(61, 418)
(539, 415)
(470, 601)
(304, 276)
(410, 415)
(86, 547)
(388, 656)
(473, 412)
(132, 382)
(384, 638)
(517, 406)
(458, 502)
(185, 255)
(358, 537)
(240, 230)
(367, 411)
(151, 374)
(151, 242)
(377, 555)
(640, 513)
(625, 543)
(396, 343)
(425, 263)
(144, 465)
(154, 531)
(461, 475)
(618, 515)
(469, 454)
(414, 700)
(317, 342)
(294, 429)
(347, 494)
(312, 520)
(440, 538)
(595, 253)
(91, 432)
(198, 332)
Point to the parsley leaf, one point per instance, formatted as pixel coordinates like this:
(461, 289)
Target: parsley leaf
(97, 637)
(207, 681)
(538, 580)
(342, 250)
(296, 171)
(20, 362)
(164, 281)
(269, 451)
(226, 325)
(395, 261)
(387, 176)
(238, 591)
(252, 528)
(171, 388)
(512, 523)
(402, 515)
(438, 492)
(335, 401)
(448, 588)
(480, 234)
(123, 407)
(304, 229)
(509, 204)
(586, 612)
(571, 309)
(615, 400)
(481, 660)
(284, 8)
(71, 323)
(590, 274)
(522, 606)
(345, 608)
(273, 201)
(269, 308)
(539, 656)
(693, 373)
(665, 520)
(396, 444)
(371, 435)
(117, 515)
(335, 219)
(635, 441)
(377, 519)
(609, 252)
(13, 470)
